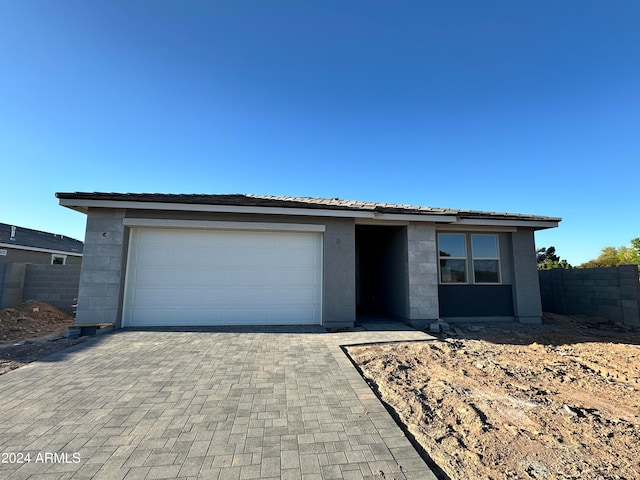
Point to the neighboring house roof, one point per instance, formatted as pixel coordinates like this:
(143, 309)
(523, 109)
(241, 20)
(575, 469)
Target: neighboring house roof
(28, 239)
(81, 201)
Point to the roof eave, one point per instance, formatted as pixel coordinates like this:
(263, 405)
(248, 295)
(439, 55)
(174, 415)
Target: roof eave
(535, 223)
(83, 204)
(39, 249)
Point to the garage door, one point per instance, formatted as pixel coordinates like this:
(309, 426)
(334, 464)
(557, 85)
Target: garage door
(222, 277)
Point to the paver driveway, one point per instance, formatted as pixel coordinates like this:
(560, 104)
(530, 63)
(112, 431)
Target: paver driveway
(222, 404)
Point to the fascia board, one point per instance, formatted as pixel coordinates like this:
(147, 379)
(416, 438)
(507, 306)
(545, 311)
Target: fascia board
(83, 205)
(508, 223)
(376, 221)
(42, 250)
(475, 228)
(222, 225)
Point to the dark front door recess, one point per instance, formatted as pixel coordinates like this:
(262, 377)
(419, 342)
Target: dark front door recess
(381, 270)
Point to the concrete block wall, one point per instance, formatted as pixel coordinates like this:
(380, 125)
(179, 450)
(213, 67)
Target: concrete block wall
(613, 293)
(101, 277)
(56, 285)
(423, 273)
(11, 283)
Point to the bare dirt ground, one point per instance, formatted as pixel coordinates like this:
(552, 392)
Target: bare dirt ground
(559, 400)
(32, 331)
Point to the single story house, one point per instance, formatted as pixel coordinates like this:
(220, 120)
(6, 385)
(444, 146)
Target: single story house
(24, 245)
(194, 260)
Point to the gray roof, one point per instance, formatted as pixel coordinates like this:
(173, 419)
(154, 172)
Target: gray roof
(26, 237)
(297, 202)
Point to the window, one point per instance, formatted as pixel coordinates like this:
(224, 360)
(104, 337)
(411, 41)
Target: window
(452, 253)
(58, 259)
(486, 261)
(484, 258)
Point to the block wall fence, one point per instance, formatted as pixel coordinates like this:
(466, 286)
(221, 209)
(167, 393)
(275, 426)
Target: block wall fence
(56, 285)
(613, 292)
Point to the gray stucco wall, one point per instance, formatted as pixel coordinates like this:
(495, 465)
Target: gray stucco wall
(396, 267)
(526, 288)
(506, 258)
(339, 281)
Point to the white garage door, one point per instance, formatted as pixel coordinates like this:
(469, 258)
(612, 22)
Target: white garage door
(222, 277)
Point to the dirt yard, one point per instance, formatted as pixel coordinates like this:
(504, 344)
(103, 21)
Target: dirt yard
(32, 331)
(559, 400)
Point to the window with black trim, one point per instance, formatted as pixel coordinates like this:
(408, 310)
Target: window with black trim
(486, 258)
(452, 253)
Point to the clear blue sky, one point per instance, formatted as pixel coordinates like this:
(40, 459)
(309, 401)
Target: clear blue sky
(529, 107)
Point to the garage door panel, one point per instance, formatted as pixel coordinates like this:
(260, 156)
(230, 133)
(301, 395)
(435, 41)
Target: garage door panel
(150, 317)
(299, 296)
(248, 316)
(295, 316)
(247, 296)
(220, 297)
(178, 297)
(155, 255)
(237, 256)
(298, 258)
(209, 277)
(294, 278)
(248, 277)
(241, 277)
(162, 276)
(175, 317)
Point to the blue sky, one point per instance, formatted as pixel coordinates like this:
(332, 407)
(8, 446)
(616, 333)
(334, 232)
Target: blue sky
(529, 107)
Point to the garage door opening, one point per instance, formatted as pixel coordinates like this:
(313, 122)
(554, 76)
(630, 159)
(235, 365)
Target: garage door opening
(381, 272)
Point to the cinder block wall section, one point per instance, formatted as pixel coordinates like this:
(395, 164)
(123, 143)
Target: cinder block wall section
(613, 293)
(101, 277)
(56, 285)
(11, 283)
(423, 274)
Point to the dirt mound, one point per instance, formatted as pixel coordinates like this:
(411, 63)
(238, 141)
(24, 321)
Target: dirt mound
(31, 320)
(31, 331)
(560, 400)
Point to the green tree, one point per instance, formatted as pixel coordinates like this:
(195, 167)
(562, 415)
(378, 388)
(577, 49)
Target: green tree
(612, 256)
(547, 259)
(635, 247)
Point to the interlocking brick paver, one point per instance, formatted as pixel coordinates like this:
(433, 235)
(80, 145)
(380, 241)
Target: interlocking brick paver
(239, 403)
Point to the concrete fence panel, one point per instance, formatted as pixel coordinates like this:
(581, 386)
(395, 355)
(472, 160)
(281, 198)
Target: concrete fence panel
(613, 292)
